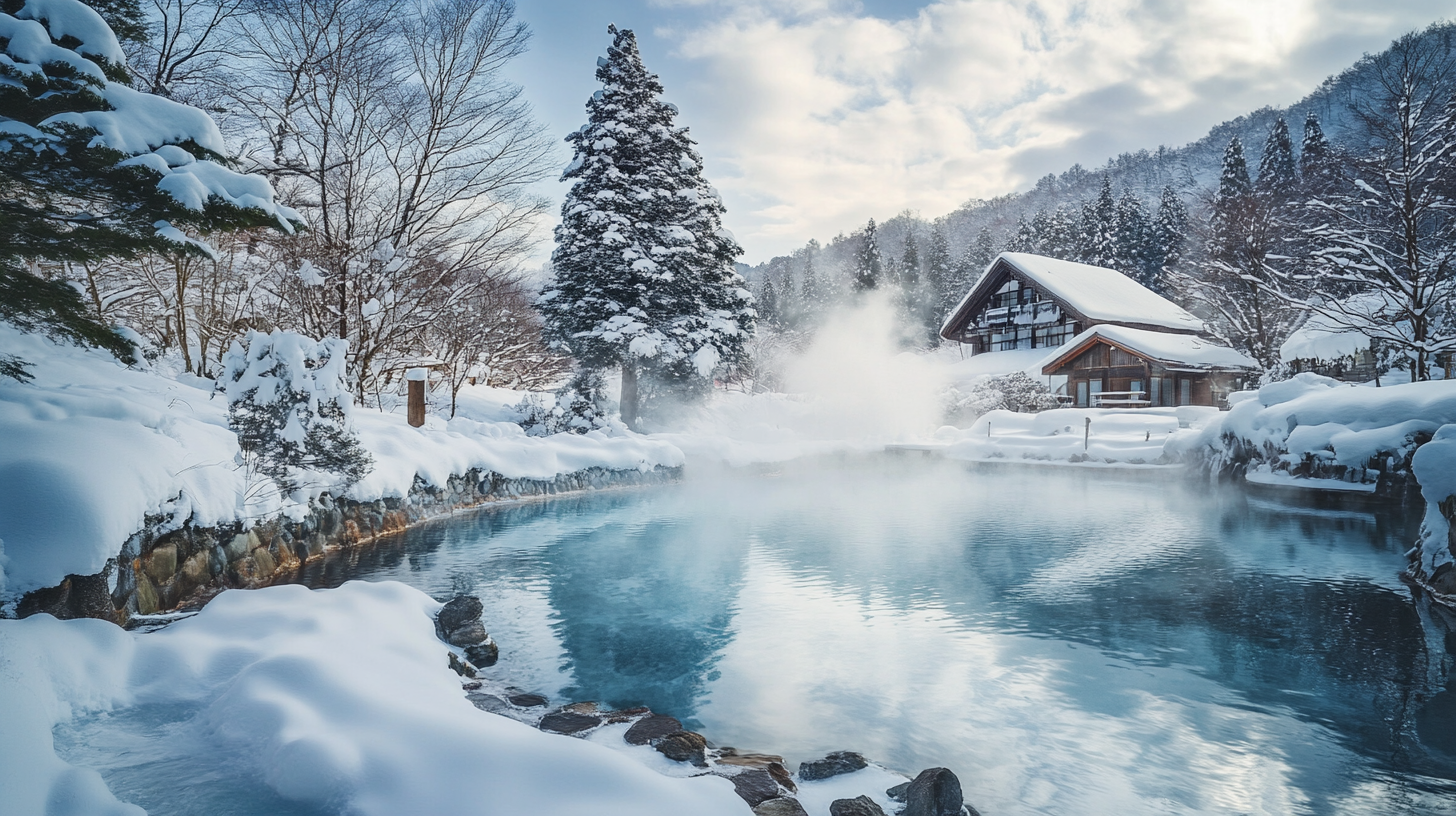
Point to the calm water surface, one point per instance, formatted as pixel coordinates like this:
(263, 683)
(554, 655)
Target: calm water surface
(1069, 642)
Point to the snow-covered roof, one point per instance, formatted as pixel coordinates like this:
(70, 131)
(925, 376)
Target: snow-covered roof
(1100, 294)
(1177, 350)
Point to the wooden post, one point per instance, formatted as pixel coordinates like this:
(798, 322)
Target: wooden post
(1087, 434)
(416, 378)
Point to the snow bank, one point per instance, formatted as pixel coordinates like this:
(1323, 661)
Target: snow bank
(1434, 466)
(92, 448)
(1093, 435)
(328, 697)
(1317, 427)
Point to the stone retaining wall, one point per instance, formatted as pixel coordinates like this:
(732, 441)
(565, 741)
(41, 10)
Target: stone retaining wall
(162, 570)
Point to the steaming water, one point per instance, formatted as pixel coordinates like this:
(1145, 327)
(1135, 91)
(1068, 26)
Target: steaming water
(1068, 642)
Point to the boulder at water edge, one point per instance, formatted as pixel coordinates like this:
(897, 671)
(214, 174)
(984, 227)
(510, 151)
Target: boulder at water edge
(651, 729)
(839, 762)
(858, 806)
(935, 792)
(782, 806)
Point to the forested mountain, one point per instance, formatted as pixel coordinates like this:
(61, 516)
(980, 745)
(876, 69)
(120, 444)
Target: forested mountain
(1063, 214)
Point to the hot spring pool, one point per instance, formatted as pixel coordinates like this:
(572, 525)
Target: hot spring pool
(1068, 641)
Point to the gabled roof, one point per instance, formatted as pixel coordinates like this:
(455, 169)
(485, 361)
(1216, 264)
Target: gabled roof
(1096, 293)
(1172, 350)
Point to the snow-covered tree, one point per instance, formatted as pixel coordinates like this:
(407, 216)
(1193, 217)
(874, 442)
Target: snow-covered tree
(1318, 169)
(868, 268)
(1278, 177)
(1133, 250)
(289, 401)
(91, 168)
(1233, 283)
(643, 268)
(940, 279)
(1389, 233)
(1099, 244)
(811, 295)
(1170, 232)
(909, 276)
(768, 303)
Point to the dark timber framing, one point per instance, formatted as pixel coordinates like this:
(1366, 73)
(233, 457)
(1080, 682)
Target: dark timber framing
(1104, 373)
(1007, 310)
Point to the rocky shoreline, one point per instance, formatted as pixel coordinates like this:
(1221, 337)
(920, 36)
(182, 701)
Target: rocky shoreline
(762, 780)
(166, 567)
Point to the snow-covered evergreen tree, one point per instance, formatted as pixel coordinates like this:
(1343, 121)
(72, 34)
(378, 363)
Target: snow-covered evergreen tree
(1170, 232)
(810, 294)
(93, 169)
(940, 282)
(643, 268)
(1099, 245)
(868, 268)
(768, 303)
(1233, 284)
(289, 400)
(1133, 251)
(910, 263)
(1278, 176)
(1318, 166)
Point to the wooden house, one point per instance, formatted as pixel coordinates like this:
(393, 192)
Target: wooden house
(1111, 366)
(1025, 301)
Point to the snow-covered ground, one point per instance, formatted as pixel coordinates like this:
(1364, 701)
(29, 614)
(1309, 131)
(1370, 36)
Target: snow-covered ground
(329, 697)
(91, 447)
(1092, 436)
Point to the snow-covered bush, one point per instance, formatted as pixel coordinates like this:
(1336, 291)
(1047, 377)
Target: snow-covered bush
(576, 408)
(1016, 392)
(288, 401)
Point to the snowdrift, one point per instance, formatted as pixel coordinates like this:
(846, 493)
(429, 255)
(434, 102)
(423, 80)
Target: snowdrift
(327, 697)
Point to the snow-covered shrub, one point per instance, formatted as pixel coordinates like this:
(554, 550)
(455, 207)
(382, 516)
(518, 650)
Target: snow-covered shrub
(289, 402)
(576, 408)
(1016, 392)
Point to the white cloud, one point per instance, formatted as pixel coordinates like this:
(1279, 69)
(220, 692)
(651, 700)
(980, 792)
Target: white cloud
(815, 115)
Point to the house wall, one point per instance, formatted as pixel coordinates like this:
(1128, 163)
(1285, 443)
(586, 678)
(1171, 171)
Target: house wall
(1107, 369)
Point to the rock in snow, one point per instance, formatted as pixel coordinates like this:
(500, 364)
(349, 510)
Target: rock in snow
(839, 762)
(858, 806)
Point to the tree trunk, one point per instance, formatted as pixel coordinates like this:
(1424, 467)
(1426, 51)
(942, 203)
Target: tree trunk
(628, 401)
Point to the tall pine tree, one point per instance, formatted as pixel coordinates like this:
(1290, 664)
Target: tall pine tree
(1234, 282)
(1170, 232)
(1099, 228)
(867, 265)
(643, 268)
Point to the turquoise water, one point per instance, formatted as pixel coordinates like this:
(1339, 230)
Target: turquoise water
(1069, 642)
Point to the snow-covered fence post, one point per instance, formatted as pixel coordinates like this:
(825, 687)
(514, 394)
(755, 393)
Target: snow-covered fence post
(1086, 434)
(416, 378)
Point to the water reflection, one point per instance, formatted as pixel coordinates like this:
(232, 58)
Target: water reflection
(1070, 642)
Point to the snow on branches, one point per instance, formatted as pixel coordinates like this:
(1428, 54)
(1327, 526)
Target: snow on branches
(289, 401)
(644, 275)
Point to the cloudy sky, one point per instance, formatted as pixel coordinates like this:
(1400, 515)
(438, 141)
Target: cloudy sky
(814, 115)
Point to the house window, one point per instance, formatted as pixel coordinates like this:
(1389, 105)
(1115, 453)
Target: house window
(1185, 391)
(1082, 393)
(1155, 395)
(1136, 387)
(1094, 387)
